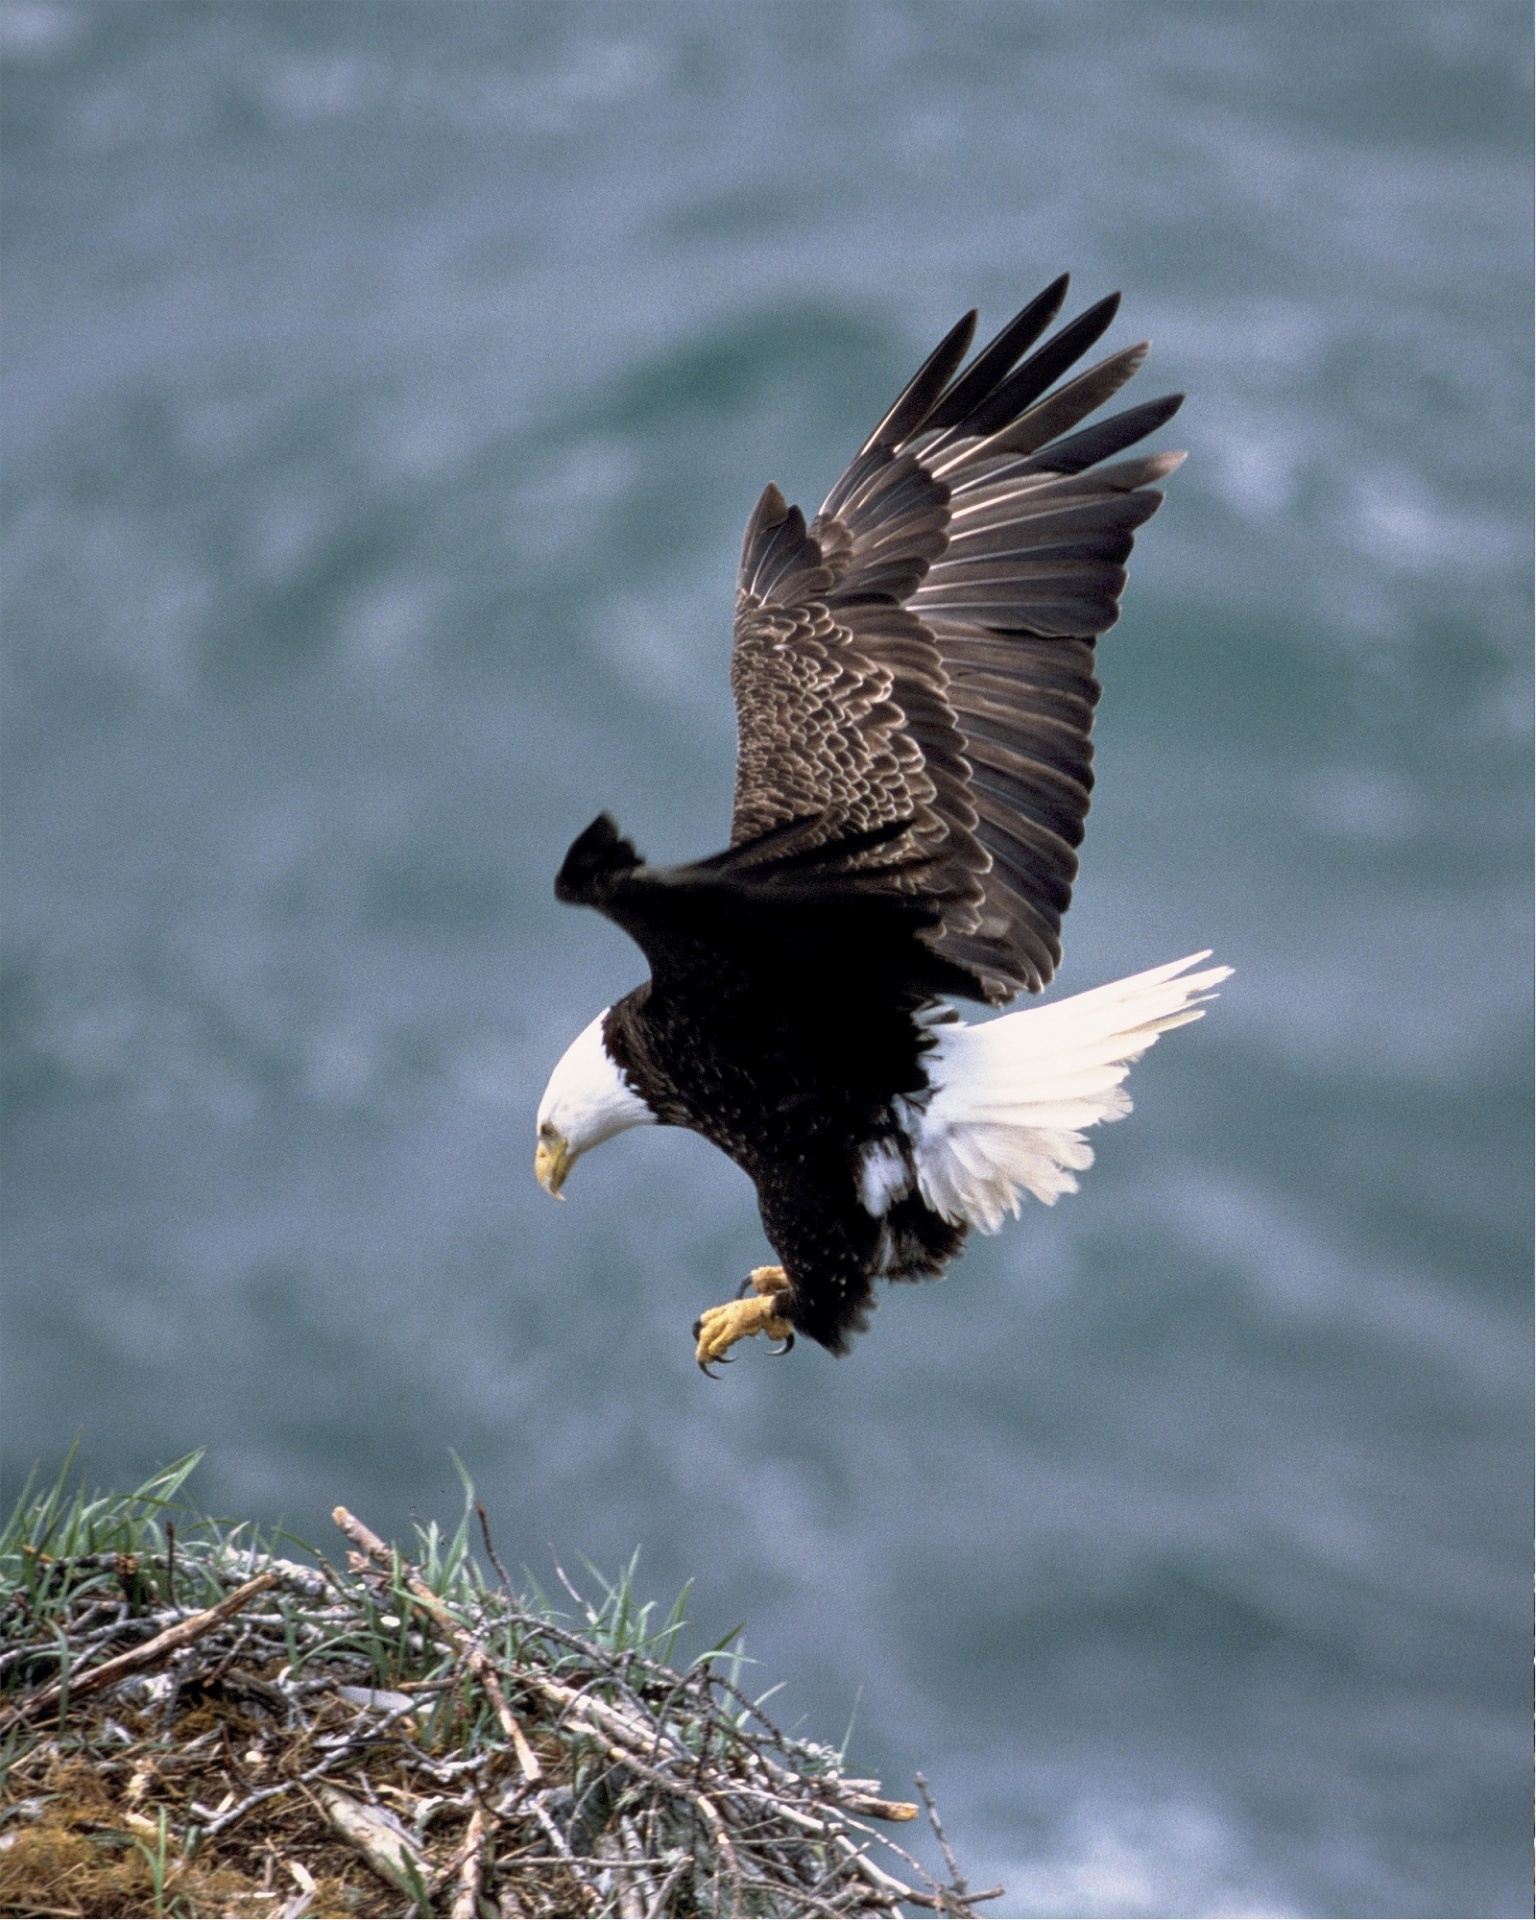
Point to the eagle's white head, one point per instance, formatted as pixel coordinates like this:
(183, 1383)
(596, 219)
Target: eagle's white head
(586, 1102)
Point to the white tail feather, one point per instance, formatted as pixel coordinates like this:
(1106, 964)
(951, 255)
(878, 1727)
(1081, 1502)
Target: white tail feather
(1011, 1095)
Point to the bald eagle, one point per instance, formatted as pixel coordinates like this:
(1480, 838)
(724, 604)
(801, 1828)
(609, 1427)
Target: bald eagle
(914, 683)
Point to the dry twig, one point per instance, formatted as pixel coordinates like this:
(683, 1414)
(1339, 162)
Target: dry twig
(466, 1899)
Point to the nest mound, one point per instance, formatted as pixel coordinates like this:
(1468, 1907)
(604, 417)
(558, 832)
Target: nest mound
(194, 1725)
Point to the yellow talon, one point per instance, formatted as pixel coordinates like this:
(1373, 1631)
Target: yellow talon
(718, 1328)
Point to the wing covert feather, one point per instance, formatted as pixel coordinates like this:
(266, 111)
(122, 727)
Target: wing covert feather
(922, 652)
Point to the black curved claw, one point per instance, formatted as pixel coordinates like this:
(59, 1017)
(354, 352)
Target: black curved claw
(698, 1326)
(788, 1347)
(745, 1288)
(704, 1369)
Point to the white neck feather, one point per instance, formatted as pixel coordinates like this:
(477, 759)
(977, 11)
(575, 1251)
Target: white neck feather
(588, 1100)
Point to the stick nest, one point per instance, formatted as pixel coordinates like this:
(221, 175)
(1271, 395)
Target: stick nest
(191, 1724)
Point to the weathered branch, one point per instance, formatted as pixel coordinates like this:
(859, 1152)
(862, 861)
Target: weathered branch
(136, 1658)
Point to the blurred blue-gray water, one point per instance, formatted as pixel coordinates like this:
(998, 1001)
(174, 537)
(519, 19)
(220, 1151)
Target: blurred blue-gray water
(385, 391)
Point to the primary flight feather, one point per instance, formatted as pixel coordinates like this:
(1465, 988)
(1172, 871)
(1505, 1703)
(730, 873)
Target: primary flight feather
(914, 682)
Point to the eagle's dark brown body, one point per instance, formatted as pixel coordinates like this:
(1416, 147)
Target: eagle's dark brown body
(730, 1063)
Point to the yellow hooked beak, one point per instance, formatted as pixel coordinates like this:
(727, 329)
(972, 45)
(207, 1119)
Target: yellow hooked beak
(552, 1162)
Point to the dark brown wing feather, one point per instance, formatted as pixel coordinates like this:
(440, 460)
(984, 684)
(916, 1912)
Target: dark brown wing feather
(923, 651)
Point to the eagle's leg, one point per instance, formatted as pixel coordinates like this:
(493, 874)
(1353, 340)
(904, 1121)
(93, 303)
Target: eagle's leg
(718, 1328)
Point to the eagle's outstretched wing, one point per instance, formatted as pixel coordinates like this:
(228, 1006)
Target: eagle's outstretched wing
(923, 651)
